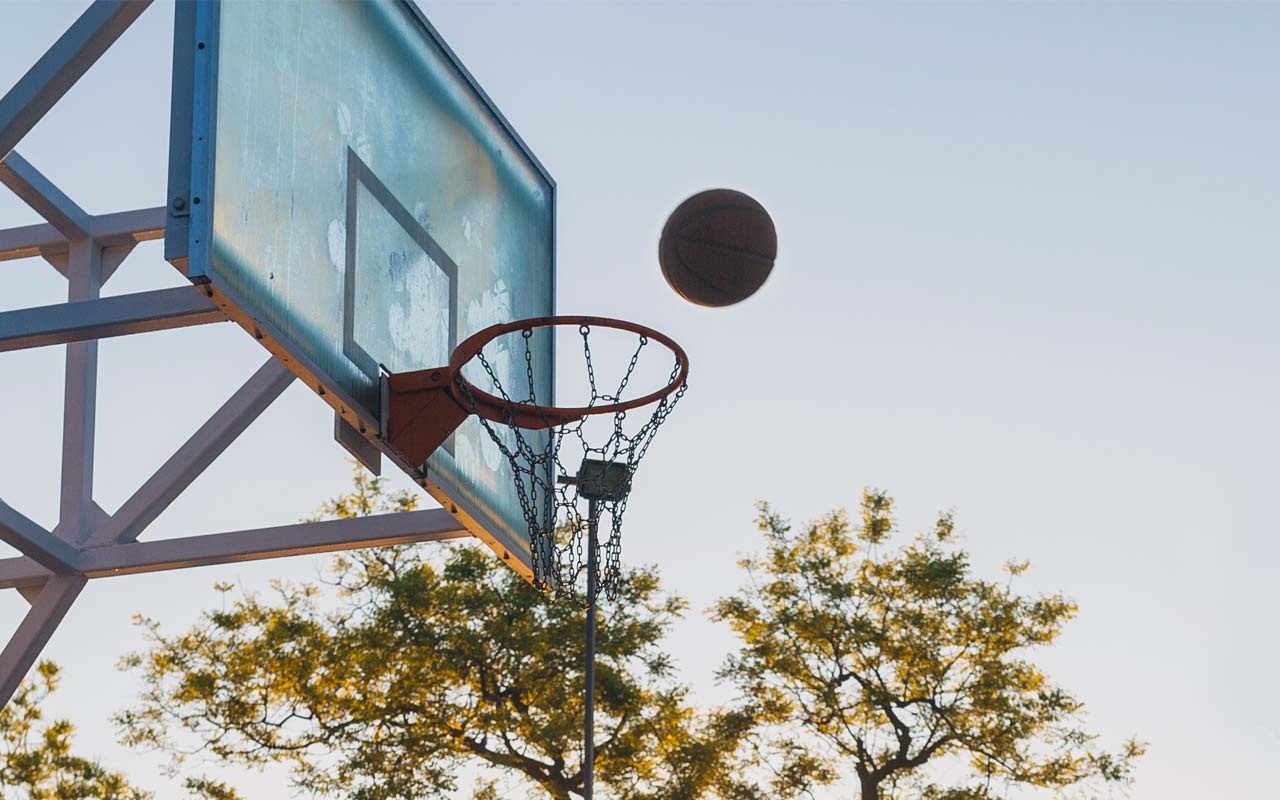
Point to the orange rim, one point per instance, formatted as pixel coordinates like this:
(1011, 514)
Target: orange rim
(527, 415)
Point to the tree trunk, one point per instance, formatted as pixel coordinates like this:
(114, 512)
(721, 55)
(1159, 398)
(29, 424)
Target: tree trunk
(870, 789)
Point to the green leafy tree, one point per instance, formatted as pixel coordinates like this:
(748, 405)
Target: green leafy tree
(36, 762)
(904, 667)
(208, 789)
(413, 661)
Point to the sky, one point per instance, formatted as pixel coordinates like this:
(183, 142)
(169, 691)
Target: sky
(1027, 270)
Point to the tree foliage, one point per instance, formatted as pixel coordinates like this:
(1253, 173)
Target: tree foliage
(415, 660)
(899, 660)
(36, 762)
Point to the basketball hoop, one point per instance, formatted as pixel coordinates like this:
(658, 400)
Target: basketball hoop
(603, 443)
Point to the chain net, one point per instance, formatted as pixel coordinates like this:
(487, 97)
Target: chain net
(576, 475)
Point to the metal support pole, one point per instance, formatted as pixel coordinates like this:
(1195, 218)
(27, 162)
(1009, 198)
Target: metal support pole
(589, 744)
(80, 398)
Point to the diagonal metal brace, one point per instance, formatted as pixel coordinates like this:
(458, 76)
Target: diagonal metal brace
(190, 460)
(43, 547)
(48, 609)
(62, 65)
(37, 191)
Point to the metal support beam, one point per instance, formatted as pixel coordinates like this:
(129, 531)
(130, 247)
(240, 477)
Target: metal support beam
(110, 316)
(129, 227)
(37, 191)
(112, 258)
(28, 577)
(383, 530)
(190, 460)
(117, 234)
(31, 593)
(43, 547)
(50, 606)
(309, 538)
(58, 69)
(31, 241)
(22, 573)
(80, 401)
(360, 448)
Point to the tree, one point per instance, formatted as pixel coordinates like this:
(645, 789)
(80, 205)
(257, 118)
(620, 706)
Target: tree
(416, 660)
(900, 660)
(36, 762)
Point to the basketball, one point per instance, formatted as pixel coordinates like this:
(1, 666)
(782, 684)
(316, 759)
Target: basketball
(718, 248)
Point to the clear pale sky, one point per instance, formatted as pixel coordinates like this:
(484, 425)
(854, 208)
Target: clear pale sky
(1028, 270)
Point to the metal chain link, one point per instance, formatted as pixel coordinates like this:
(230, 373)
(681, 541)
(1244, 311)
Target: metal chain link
(554, 511)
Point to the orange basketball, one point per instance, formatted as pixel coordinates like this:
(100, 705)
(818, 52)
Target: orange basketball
(718, 248)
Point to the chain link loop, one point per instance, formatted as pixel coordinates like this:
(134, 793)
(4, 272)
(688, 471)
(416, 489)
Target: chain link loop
(556, 513)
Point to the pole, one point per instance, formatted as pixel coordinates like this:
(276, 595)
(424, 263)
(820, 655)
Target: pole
(588, 744)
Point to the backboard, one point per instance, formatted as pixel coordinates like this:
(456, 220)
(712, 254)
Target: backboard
(347, 193)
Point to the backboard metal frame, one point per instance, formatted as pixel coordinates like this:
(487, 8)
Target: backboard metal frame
(89, 543)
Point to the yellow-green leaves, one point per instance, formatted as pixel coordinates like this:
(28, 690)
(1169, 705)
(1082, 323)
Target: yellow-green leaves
(36, 762)
(890, 660)
(415, 661)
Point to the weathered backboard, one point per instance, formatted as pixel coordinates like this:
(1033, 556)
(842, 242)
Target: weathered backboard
(350, 196)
